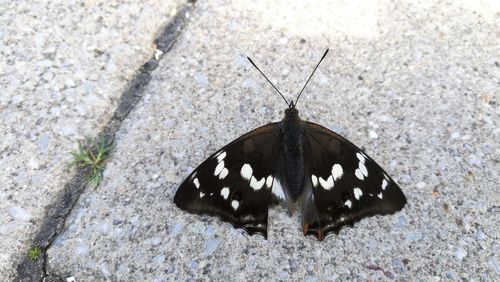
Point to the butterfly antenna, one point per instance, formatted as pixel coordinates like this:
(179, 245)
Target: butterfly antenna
(324, 55)
(267, 79)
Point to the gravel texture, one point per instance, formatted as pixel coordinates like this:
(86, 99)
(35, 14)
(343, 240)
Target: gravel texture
(63, 66)
(414, 83)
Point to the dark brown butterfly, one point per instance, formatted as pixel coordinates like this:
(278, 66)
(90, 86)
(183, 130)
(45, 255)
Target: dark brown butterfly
(292, 161)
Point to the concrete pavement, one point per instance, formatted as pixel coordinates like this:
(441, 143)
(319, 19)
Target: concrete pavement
(415, 84)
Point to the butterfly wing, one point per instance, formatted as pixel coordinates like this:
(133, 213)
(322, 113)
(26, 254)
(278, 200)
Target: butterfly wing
(342, 184)
(235, 183)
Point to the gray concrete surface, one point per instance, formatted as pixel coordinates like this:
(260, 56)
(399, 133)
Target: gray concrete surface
(414, 83)
(63, 67)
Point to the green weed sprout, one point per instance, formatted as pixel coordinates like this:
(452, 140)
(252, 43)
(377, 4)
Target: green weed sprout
(34, 252)
(92, 155)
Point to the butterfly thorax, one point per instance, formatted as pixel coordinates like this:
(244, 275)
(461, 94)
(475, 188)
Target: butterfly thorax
(292, 134)
(292, 130)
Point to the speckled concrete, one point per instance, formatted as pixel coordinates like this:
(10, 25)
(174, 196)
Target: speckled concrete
(63, 66)
(415, 84)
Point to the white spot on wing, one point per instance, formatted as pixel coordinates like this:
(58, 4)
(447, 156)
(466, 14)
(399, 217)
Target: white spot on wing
(359, 174)
(235, 204)
(363, 169)
(357, 193)
(326, 184)
(246, 171)
(221, 156)
(384, 184)
(224, 193)
(269, 181)
(348, 203)
(360, 157)
(196, 183)
(202, 194)
(278, 190)
(219, 168)
(380, 195)
(257, 185)
(314, 180)
(223, 173)
(337, 171)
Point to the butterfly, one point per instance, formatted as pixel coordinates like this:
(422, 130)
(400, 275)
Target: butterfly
(334, 183)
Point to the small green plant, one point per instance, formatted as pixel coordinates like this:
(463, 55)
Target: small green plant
(91, 155)
(34, 252)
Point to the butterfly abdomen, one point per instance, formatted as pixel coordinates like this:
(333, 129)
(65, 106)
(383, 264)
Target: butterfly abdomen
(294, 173)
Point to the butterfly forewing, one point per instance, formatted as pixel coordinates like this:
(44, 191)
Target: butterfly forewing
(343, 184)
(235, 182)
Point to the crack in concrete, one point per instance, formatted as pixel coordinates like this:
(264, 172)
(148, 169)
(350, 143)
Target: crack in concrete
(57, 212)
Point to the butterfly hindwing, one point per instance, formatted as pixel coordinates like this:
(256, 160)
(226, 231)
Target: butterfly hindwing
(342, 184)
(235, 183)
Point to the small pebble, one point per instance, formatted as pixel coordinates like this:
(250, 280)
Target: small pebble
(171, 269)
(389, 274)
(451, 275)
(177, 228)
(283, 276)
(210, 231)
(158, 54)
(283, 41)
(81, 250)
(421, 185)
(474, 160)
(19, 213)
(480, 234)
(33, 163)
(293, 264)
(211, 246)
(397, 263)
(192, 264)
(158, 259)
(401, 221)
(122, 269)
(104, 269)
(495, 265)
(248, 83)
(372, 134)
(310, 279)
(201, 79)
(43, 143)
(415, 236)
(241, 61)
(460, 253)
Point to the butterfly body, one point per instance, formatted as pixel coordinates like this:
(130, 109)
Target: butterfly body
(334, 183)
(292, 132)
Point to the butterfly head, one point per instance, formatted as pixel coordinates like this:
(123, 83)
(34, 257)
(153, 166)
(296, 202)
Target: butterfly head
(291, 111)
